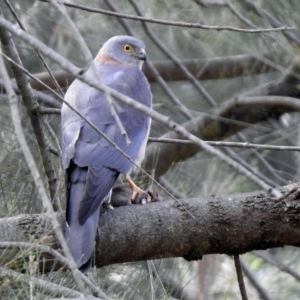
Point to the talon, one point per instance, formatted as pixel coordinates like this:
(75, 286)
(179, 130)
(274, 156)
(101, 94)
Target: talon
(109, 206)
(135, 189)
(140, 196)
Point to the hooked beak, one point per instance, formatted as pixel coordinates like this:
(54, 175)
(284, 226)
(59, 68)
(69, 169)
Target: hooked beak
(142, 54)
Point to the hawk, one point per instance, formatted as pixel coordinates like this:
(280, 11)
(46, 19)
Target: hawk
(91, 162)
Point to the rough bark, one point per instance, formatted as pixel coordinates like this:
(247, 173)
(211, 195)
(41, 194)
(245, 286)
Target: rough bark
(232, 224)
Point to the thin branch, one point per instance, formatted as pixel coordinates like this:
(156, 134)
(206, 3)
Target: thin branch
(227, 144)
(30, 104)
(46, 286)
(263, 161)
(152, 70)
(252, 25)
(37, 52)
(255, 172)
(256, 284)
(35, 172)
(52, 135)
(48, 111)
(60, 258)
(142, 108)
(267, 257)
(42, 98)
(203, 92)
(40, 108)
(55, 151)
(252, 6)
(170, 23)
(175, 60)
(220, 123)
(170, 188)
(240, 278)
(85, 51)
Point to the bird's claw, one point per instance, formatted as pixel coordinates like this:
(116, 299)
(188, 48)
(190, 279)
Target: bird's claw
(143, 197)
(140, 197)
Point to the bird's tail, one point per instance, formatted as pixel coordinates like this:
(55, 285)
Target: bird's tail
(87, 188)
(80, 237)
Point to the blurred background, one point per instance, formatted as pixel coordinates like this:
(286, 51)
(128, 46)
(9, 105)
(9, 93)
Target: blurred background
(200, 70)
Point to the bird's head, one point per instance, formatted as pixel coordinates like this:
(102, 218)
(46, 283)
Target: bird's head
(122, 50)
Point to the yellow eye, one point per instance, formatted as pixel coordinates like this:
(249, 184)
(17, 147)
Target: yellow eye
(127, 48)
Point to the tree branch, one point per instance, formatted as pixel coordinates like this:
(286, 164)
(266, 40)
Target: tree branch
(202, 69)
(171, 23)
(220, 123)
(232, 224)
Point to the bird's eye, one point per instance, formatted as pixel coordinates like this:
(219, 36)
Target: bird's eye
(127, 48)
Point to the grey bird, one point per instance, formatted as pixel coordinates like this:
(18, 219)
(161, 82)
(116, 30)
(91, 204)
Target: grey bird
(91, 162)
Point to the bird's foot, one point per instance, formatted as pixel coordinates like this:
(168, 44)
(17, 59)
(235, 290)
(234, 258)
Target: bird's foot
(140, 197)
(122, 195)
(143, 197)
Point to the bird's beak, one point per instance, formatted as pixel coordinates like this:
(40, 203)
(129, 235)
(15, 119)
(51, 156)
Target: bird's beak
(142, 54)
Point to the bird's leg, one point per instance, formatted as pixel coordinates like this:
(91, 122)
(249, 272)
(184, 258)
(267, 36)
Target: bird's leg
(136, 190)
(107, 201)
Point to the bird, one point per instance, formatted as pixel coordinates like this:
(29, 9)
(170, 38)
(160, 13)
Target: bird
(92, 163)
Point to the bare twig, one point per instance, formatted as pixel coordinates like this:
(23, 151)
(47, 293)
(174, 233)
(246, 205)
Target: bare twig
(240, 278)
(252, 6)
(191, 78)
(142, 108)
(41, 109)
(228, 144)
(250, 24)
(46, 286)
(88, 57)
(49, 111)
(60, 258)
(54, 151)
(43, 98)
(267, 257)
(174, 59)
(169, 187)
(35, 172)
(52, 134)
(171, 23)
(248, 273)
(152, 69)
(30, 104)
(37, 52)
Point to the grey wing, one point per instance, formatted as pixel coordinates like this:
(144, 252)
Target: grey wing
(91, 150)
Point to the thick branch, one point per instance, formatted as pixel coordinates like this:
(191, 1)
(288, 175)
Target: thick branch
(222, 122)
(226, 120)
(220, 224)
(204, 69)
